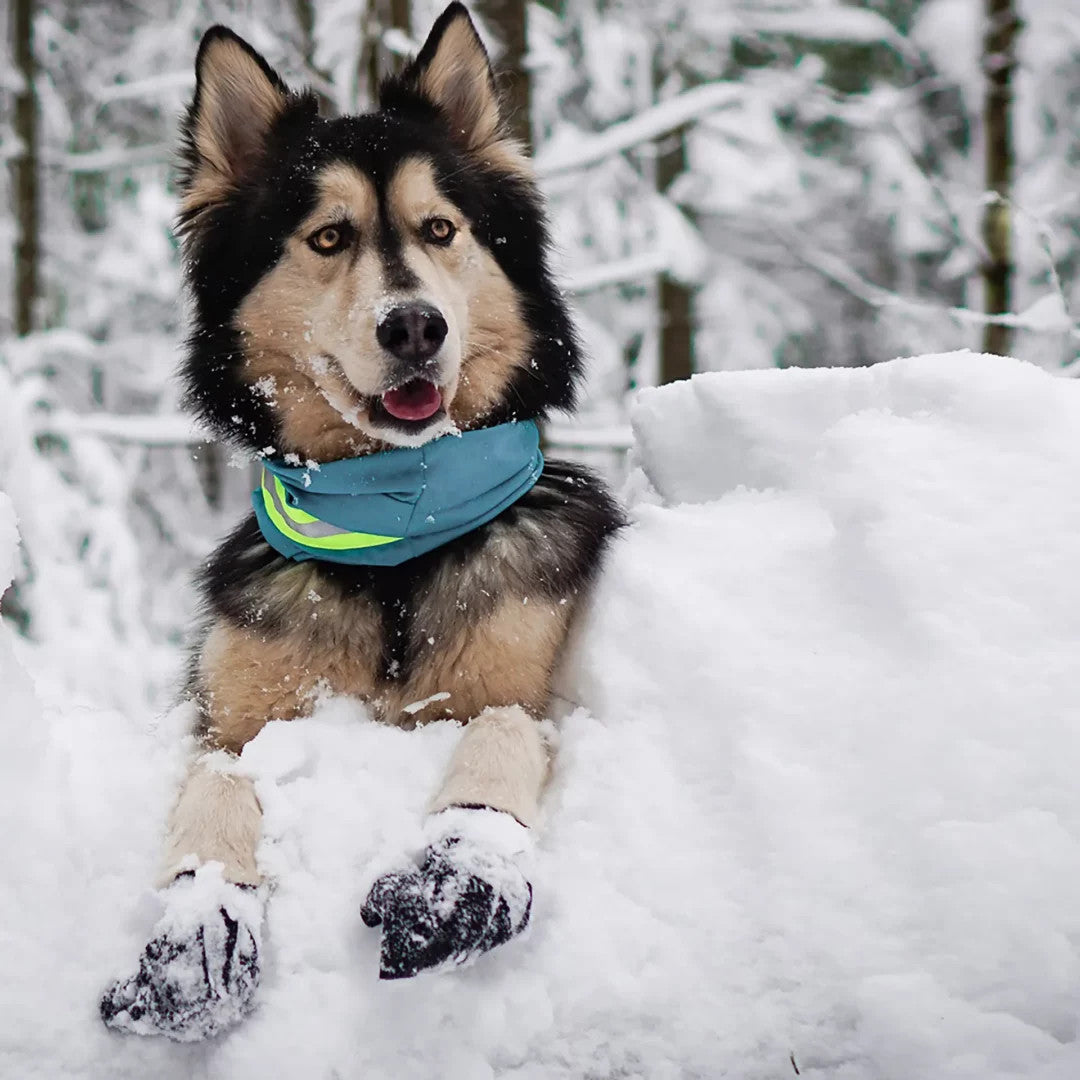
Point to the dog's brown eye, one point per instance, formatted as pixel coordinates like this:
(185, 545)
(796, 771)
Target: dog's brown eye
(330, 239)
(438, 230)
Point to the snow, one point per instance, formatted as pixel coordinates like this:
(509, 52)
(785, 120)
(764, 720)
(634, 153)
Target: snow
(815, 795)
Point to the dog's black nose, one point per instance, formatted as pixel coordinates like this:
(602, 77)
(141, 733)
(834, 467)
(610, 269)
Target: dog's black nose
(411, 331)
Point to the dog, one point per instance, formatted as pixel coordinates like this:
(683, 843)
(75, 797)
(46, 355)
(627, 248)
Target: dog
(375, 318)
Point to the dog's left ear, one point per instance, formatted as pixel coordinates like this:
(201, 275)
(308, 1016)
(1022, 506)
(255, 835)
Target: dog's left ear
(452, 73)
(238, 100)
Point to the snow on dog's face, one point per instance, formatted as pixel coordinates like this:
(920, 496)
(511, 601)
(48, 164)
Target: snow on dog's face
(368, 280)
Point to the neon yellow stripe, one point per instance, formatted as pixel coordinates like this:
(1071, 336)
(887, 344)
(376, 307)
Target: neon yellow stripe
(294, 513)
(344, 541)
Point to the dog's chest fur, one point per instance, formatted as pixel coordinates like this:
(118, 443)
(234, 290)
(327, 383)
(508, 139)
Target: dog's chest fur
(474, 624)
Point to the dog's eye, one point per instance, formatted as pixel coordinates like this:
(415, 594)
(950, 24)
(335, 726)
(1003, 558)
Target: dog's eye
(438, 230)
(330, 239)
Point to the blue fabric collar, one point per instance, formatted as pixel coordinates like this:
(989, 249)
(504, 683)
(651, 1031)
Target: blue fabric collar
(383, 509)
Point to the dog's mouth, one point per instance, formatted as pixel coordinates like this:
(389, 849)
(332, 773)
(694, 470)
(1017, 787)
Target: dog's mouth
(414, 401)
(410, 408)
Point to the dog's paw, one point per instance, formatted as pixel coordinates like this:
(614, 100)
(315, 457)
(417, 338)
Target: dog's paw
(468, 895)
(198, 975)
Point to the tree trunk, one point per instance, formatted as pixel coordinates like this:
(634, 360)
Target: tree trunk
(399, 16)
(507, 18)
(25, 169)
(999, 59)
(676, 299)
(305, 20)
(380, 61)
(25, 195)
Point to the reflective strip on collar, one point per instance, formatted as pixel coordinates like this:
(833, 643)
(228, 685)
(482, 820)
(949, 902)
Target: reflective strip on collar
(308, 531)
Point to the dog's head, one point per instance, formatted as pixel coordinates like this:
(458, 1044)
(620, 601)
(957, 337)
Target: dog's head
(368, 280)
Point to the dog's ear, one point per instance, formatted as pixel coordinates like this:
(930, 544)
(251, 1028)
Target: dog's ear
(452, 73)
(238, 99)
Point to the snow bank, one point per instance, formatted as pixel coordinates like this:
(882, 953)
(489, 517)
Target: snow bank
(816, 794)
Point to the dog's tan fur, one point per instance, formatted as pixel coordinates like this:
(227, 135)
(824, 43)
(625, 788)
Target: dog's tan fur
(504, 658)
(217, 818)
(502, 761)
(247, 678)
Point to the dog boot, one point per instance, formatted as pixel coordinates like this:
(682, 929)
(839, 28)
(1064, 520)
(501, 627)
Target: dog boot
(199, 973)
(468, 894)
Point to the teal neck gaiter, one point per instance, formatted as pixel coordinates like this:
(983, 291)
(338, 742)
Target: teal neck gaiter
(383, 509)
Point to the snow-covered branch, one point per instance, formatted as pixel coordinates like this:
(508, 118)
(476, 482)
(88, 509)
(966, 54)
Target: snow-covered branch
(1046, 315)
(113, 157)
(155, 430)
(592, 437)
(164, 83)
(632, 268)
(585, 150)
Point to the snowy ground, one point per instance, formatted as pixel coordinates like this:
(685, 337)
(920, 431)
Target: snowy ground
(817, 791)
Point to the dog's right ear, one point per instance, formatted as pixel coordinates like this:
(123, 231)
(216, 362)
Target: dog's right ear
(238, 99)
(452, 73)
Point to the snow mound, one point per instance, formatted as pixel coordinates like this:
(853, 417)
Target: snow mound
(700, 439)
(815, 797)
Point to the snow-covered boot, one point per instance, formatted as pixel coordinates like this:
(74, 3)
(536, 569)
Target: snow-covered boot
(468, 894)
(199, 973)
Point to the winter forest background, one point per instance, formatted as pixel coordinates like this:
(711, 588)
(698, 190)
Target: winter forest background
(733, 184)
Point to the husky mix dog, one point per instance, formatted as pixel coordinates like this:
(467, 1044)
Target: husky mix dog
(372, 298)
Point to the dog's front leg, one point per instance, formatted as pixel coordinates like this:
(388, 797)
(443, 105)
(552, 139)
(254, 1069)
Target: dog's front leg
(471, 890)
(199, 972)
(216, 819)
(501, 763)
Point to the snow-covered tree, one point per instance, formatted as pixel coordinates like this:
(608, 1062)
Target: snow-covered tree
(735, 184)
(830, 208)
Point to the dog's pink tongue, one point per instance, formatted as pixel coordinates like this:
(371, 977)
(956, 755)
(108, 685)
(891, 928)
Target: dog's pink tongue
(416, 400)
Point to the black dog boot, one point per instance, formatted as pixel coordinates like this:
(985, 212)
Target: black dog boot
(468, 894)
(198, 975)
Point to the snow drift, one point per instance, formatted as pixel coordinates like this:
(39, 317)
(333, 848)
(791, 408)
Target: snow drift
(816, 798)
